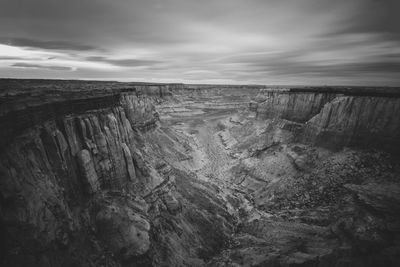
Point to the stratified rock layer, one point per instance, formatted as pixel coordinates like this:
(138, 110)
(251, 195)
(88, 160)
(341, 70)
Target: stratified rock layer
(51, 171)
(357, 121)
(337, 118)
(298, 107)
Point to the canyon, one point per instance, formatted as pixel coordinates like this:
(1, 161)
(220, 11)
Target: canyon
(96, 173)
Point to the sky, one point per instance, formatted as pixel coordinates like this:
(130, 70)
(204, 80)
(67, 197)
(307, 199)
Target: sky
(303, 42)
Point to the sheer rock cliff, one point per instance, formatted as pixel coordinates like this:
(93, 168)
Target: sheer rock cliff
(335, 118)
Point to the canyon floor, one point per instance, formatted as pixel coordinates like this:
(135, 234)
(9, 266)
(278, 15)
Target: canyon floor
(147, 177)
(292, 204)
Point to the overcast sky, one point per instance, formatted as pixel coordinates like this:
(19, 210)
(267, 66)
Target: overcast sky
(314, 42)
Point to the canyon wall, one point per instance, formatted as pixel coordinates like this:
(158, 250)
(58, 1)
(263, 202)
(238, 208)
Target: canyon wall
(335, 118)
(52, 172)
(26, 103)
(210, 90)
(62, 149)
(84, 180)
(360, 121)
(284, 104)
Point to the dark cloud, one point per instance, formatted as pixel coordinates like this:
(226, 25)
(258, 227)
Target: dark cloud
(356, 70)
(44, 44)
(37, 66)
(10, 58)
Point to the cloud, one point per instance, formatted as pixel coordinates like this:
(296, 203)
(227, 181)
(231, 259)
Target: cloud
(37, 66)
(46, 45)
(10, 58)
(229, 40)
(124, 62)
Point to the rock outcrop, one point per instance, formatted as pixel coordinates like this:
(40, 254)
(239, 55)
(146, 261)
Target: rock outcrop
(337, 117)
(51, 173)
(294, 106)
(357, 121)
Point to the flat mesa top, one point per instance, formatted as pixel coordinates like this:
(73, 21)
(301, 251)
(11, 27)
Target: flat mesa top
(21, 85)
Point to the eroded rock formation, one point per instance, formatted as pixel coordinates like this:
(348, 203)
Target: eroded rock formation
(337, 118)
(357, 121)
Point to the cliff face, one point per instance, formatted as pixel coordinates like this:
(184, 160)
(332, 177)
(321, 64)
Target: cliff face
(85, 182)
(26, 103)
(52, 173)
(357, 121)
(298, 107)
(335, 119)
(202, 90)
(100, 137)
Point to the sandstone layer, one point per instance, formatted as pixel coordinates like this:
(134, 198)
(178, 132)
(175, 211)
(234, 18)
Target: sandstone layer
(338, 117)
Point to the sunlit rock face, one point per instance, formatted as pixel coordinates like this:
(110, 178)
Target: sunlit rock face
(126, 174)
